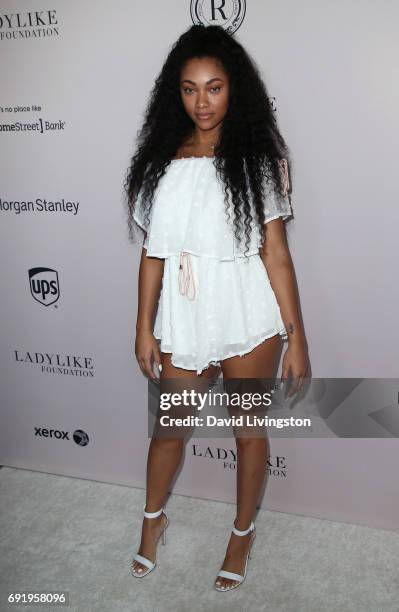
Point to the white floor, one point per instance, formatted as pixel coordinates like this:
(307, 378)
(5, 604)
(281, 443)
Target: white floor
(78, 536)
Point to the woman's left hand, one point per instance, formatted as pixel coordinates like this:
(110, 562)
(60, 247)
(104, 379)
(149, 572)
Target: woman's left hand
(296, 361)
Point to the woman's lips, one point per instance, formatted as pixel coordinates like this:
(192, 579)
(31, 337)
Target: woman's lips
(204, 115)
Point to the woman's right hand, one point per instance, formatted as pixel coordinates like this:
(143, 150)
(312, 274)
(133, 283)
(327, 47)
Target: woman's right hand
(147, 351)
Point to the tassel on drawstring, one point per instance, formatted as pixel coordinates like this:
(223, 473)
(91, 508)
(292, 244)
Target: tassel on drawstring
(285, 176)
(186, 276)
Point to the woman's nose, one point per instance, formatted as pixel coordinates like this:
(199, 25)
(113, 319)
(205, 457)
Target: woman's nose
(202, 99)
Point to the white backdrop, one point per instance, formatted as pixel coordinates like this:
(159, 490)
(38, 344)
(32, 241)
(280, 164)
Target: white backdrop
(83, 72)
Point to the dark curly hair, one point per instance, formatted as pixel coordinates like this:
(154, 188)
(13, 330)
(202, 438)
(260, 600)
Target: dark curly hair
(250, 146)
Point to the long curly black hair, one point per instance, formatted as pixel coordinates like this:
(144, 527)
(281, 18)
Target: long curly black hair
(250, 147)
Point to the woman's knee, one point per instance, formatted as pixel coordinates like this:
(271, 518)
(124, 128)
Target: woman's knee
(247, 442)
(167, 444)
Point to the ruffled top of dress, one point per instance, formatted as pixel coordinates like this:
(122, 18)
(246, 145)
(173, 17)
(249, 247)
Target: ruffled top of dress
(188, 214)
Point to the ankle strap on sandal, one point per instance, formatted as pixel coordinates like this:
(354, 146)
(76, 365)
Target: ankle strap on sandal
(244, 532)
(152, 514)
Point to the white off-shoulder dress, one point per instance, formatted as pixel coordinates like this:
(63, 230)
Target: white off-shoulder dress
(216, 299)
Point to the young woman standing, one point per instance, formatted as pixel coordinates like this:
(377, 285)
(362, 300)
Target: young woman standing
(217, 292)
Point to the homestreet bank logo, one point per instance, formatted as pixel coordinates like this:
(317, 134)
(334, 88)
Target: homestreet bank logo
(41, 126)
(276, 466)
(226, 13)
(31, 24)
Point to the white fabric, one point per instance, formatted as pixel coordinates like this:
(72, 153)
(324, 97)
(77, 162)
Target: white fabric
(234, 307)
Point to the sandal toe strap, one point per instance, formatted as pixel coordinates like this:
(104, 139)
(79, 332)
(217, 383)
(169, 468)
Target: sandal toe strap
(231, 575)
(144, 561)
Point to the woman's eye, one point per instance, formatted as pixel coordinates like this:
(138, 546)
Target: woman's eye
(216, 89)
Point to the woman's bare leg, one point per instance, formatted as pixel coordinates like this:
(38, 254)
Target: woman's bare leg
(164, 457)
(252, 453)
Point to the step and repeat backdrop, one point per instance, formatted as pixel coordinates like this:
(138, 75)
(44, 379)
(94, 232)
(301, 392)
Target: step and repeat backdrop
(75, 79)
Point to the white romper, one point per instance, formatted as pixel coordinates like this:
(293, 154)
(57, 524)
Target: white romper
(215, 302)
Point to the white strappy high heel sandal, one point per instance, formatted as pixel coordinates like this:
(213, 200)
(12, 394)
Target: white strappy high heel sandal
(144, 560)
(232, 575)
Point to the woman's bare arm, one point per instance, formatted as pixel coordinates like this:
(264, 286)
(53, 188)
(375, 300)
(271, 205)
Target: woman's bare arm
(149, 285)
(277, 259)
(150, 282)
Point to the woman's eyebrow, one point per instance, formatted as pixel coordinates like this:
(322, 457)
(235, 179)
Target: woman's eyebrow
(207, 83)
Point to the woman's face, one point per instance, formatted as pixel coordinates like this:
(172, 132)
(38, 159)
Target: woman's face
(204, 88)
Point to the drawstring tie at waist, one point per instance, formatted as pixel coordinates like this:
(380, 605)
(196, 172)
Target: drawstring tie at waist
(186, 276)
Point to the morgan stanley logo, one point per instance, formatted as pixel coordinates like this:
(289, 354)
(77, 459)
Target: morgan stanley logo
(226, 13)
(44, 285)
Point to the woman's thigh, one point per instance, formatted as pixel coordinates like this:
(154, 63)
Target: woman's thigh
(171, 371)
(260, 365)
(176, 382)
(261, 362)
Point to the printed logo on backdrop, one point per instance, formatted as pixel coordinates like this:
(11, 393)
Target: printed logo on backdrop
(79, 436)
(276, 466)
(39, 205)
(226, 13)
(30, 24)
(78, 366)
(44, 285)
(41, 126)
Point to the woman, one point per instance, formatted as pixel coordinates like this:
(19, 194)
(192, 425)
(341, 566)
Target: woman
(209, 185)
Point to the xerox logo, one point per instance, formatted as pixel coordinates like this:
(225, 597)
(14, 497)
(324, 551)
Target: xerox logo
(43, 432)
(31, 24)
(44, 285)
(227, 13)
(79, 436)
(276, 466)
